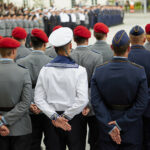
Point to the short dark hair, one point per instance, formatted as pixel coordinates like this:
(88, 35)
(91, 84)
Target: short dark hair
(36, 42)
(79, 39)
(5, 52)
(61, 48)
(99, 36)
(120, 50)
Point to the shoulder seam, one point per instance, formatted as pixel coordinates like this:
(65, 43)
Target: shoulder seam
(136, 65)
(102, 64)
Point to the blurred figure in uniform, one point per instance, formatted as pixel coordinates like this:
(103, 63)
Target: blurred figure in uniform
(20, 35)
(88, 59)
(50, 51)
(141, 56)
(34, 62)
(15, 95)
(2, 26)
(147, 30)
(61, 93)
(119, 113)
(101, 47)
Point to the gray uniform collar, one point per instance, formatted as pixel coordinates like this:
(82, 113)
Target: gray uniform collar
(6, 61)
(39, 52)
(79, 48)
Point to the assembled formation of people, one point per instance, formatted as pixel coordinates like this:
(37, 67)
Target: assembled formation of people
(47, 19)
(57, 94)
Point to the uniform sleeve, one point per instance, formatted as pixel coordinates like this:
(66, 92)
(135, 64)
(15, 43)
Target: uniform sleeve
(138, 107)
(23, 106)
(40, 97)
(81, 98)
(101, 111)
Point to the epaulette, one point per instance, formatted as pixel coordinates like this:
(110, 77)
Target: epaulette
(21, 66)
(103, 64)
(136, 65)
(49, 47)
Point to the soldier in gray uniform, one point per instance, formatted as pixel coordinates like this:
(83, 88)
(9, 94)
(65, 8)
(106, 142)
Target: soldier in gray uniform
(20, 35)
(8, 26)
(15, 95)
(86, 58)
(26, 23)
(34, 62)
(101, 47)
(35, 22)
(2, 26)
(50, 51)
(147, 30)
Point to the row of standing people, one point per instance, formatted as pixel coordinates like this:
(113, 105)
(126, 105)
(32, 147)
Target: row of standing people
(47, 19)
(60, 78)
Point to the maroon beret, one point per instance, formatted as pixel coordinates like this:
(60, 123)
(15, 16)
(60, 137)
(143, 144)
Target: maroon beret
(82, 31)
(147, 28)
(40, 34)
(19, 33)
(56, 27)
(101, 28)
(1, 37)
(9, 43)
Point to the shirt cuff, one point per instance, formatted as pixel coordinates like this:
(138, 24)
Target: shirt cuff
(4, 121)
(111, 130)
(118, 126)
(65, 116)
(1, 123)
(54, 116)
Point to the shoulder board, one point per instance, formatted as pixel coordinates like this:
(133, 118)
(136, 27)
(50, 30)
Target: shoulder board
(102, 64)
(21, 66)
(49, 47)
(136, 65)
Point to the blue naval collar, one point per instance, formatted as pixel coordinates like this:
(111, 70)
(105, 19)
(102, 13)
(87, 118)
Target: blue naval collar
(62, 62)
(137, 47)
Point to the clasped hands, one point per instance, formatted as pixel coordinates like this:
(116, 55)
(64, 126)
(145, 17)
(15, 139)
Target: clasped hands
(115, 133)
(4, 131)
(35, 109)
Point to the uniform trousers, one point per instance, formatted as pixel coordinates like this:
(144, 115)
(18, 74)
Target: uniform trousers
(15, 142)
(74, 139)
(104, 145)
(40, 126)
(93, 139)
(146, 125)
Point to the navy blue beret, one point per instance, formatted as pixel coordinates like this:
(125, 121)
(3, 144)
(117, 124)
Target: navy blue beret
(137, 30)
(121, 38)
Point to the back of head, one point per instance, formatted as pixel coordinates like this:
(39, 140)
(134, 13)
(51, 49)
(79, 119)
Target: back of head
(137, 35)
(120, 43)
(81, 34)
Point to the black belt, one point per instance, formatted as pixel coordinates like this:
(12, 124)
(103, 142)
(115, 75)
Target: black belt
(119, 107)
(6, 108)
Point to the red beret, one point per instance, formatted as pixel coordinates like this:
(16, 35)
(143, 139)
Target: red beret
(147, 28)
(40, 34)
(82, 31)
(56, 27)
(19, 33)
(9, 43)
(1, 37)
(101, 28)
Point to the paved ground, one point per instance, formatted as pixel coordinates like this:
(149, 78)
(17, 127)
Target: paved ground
(129, 21)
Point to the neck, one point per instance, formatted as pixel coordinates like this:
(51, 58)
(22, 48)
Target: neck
(141, 44)
(85, 43)
(9, 57)
(124, 55)
(40, 49)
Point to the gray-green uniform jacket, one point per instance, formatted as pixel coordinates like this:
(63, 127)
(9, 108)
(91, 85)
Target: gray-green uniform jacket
(8, 28)
(22, 52)
(15, 92)
(50, 51)
(88, 59)
(101, 47)
(2, 28)
(34, 62)
(147, 46)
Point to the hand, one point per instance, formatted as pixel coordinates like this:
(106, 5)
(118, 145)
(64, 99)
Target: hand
(115, 135)
(4, 131)
(35, 109)
(112, 123)
(85, 111)
(62, 123)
